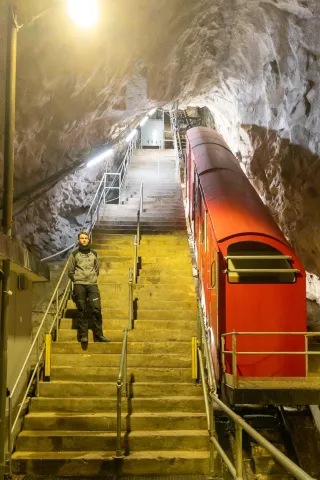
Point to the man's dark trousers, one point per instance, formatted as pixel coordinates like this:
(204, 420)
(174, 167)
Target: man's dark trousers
(88, 295)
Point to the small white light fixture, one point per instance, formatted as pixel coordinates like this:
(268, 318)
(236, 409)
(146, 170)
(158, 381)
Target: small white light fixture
(152, 111)
(84, 13)
(144, 120)
(131, 135)
(100, 157)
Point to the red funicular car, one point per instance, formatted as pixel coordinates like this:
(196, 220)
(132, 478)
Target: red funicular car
(253, 284)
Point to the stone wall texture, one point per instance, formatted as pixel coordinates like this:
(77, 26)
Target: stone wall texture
(254, 63)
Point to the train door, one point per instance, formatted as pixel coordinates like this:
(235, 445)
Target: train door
(196, 211)
(191, 191)
(201, 239)
(212, 294)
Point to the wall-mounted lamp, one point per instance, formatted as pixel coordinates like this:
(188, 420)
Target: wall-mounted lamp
(143, 121)
(100, 157)
(131, 135)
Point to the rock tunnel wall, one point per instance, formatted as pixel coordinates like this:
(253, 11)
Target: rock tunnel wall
(254, 63)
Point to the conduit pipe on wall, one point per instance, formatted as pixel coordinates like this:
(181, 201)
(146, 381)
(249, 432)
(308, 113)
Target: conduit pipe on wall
(10, 95)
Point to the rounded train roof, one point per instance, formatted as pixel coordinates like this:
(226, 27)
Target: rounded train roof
(234, 206)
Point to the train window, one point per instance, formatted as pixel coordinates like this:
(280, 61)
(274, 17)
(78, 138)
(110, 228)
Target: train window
(213, 274)
(254, 262)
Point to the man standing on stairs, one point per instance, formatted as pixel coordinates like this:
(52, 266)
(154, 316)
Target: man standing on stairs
(84, 271)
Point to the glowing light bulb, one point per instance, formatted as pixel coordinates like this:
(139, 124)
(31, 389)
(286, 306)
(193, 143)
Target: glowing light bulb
(84, 13)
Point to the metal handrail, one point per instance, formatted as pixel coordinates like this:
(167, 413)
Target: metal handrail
(36, 372)
(121, 380)
(234, 352)
(60, 305)
(175, 134)
(240, 424)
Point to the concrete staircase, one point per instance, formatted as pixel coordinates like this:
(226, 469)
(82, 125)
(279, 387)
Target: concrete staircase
(70, 428)
(162, 198)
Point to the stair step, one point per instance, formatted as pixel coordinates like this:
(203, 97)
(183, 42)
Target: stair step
(140, 325)
(101, 389)
(101, 463)
(133, 229)
(147, 314)
(86, 441)
(161, 289)
(105, 421)
(107, 374)
(148, 293)
(109, 404)
(167, 335)
(171, 360)
(153, 222)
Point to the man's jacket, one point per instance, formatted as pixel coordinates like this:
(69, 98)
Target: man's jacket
(83, 267)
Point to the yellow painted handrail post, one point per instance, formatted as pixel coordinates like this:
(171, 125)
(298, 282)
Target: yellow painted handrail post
(38, 367)
(47, 365)
(194, 349)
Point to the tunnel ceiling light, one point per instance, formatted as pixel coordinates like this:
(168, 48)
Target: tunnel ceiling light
(84, 13)
(144, 120)
(100, 157)
(153, 111)
(131, 135)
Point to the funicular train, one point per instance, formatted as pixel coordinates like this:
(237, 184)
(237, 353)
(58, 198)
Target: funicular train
(253, 285)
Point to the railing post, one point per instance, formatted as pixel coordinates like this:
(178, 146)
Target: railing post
(125, 394)
(212, 434)
(118, 447)
(199, 329)
(57, 318)
(57, 302)
(135, 260)
(91, 220)
(223, 347)
(38, 366)
(10, 434)
(138, 227)
(141, 209)
(238, 447)
(57, 329)
(130, 300)
(234, 359)
(306, 345)
(104, 188)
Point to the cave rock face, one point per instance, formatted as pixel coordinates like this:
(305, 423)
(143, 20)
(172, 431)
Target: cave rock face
(254, 63)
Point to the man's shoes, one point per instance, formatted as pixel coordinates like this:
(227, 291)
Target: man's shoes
(101, 338)
(84, 339)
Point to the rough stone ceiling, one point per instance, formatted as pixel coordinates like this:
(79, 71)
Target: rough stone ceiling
(253, 63)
